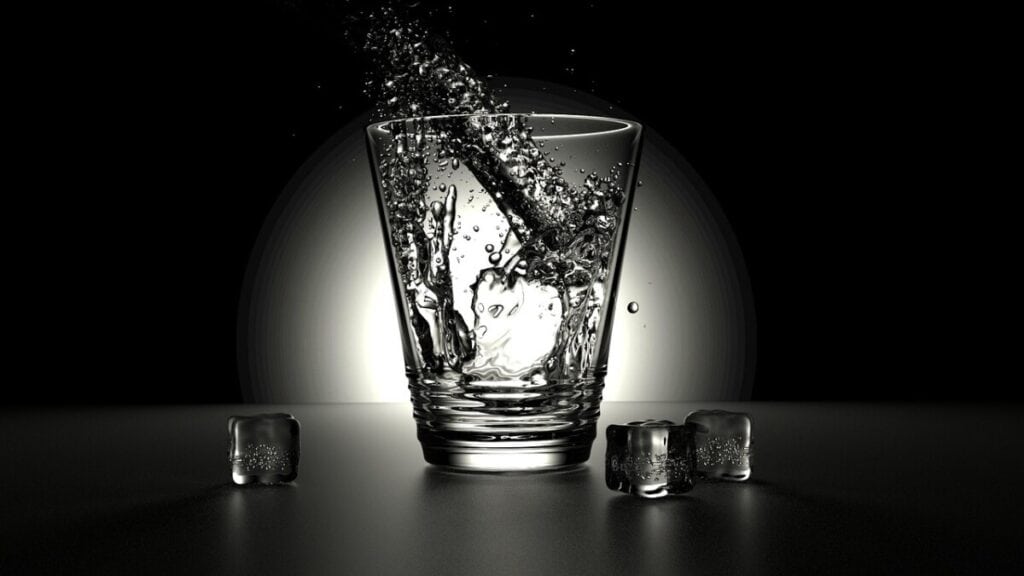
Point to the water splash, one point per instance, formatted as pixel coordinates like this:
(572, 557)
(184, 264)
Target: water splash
(547, 277)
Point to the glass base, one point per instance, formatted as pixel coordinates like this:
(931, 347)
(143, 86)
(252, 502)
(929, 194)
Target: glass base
(506, 455)
(505, 425)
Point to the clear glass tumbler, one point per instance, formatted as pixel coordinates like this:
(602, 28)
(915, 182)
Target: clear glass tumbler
(505, 235)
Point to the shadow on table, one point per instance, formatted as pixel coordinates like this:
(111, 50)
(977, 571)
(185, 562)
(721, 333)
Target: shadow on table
(455, 523)
(154, 532)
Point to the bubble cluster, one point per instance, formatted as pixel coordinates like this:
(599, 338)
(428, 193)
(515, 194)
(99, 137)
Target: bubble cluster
(718, 451)
(263, 457)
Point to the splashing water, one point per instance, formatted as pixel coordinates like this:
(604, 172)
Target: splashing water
(555, 233)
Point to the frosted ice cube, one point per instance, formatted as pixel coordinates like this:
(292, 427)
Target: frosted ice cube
(263, 448)
(723, 442)
(650, 459)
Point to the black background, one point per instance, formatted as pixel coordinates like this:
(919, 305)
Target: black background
(853, 151)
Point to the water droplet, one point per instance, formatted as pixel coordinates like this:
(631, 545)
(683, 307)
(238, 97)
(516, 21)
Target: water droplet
(489, 248)
(476, 228)
(494, 258)
(455, 163)
(639, 182)
(633, 307)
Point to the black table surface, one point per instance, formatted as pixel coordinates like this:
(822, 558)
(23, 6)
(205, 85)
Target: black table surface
(836, 488)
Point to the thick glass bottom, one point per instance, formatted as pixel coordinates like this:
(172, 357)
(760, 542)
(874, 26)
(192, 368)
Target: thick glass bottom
(507, 425)
(506, 455)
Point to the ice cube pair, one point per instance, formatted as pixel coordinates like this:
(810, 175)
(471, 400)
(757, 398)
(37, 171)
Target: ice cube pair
(656, 458)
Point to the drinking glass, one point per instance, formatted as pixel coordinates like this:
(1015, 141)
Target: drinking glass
(504, 234)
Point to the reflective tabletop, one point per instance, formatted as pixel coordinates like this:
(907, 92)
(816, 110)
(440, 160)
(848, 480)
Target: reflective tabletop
(835, 488)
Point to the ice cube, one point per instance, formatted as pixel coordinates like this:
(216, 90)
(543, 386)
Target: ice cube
(264, 448)
(723, 444)
(650, 459)
(516, 325)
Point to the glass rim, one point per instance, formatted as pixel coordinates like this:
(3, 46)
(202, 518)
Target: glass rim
(623, 124)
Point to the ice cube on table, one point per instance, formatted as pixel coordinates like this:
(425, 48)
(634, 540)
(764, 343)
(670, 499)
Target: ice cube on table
(650, 459)
(724, 445)
(264, 448)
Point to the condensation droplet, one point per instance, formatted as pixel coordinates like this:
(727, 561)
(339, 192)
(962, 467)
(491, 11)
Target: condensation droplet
(633, 307)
